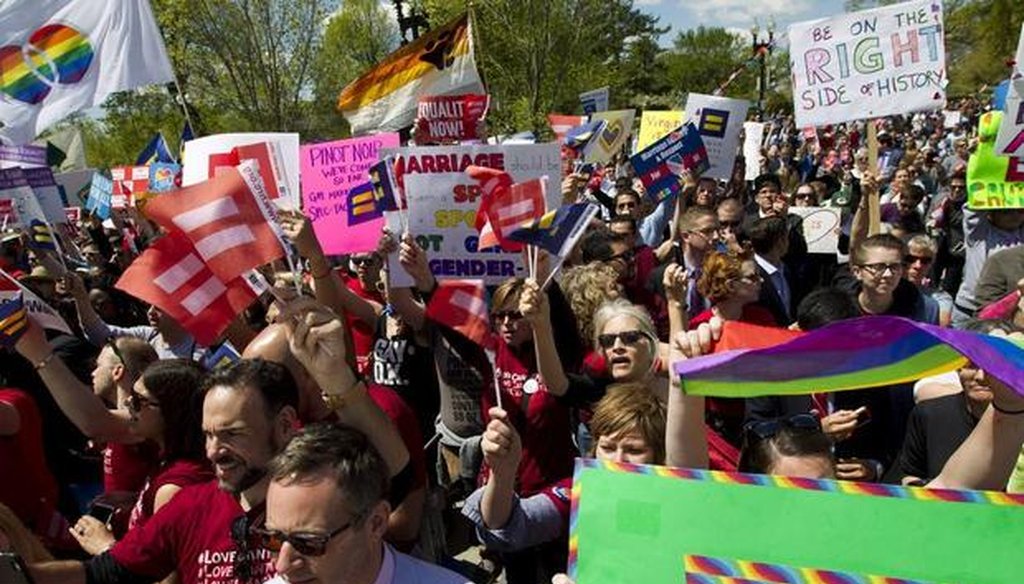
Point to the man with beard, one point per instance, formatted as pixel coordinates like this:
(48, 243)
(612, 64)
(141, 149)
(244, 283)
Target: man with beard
(249, 414)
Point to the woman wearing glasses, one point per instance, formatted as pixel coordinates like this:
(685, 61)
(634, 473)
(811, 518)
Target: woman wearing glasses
(730, 281)
(164, 406)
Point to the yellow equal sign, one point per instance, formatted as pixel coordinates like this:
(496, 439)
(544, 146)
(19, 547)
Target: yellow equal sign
(714, 123)
(363, 202)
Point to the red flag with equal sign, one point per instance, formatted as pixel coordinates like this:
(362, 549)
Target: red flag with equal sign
(229, 220)
(171, 276)
(505, 206)
(462, 305)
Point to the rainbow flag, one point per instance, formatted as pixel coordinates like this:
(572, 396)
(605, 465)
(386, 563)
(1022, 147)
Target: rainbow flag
(871, 351)
(440, 62)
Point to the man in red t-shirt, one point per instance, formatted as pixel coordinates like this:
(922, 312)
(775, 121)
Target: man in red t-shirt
(32, 496)
(249, 414)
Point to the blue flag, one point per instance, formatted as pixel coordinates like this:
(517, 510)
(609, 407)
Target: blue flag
(660, 165)
(156, 151)
(186, 135)
(385, 186)
(362, 205)
(577, 138)
(556, 231)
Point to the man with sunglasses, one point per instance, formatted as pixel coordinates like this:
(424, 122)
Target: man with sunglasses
(327, 512)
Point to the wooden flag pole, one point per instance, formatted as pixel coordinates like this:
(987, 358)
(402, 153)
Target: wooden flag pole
(874, 211)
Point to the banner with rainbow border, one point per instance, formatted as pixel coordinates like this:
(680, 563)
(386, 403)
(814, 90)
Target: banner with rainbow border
(651, 524)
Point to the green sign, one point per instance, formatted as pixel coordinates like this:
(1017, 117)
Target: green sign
(993, 181)
(654, 525)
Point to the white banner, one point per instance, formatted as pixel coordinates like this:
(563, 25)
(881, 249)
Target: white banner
(869, 64)
(753, 138)
(821, 228)
(1010, 141)
(719, 120)
(443, 201)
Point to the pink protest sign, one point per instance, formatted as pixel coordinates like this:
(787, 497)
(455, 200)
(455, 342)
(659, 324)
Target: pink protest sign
(329, 171)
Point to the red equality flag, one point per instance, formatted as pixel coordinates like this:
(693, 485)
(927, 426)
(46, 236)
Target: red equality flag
(171, 276)
(447, 119)
(505, 206)
(229, 220)
(462, 305)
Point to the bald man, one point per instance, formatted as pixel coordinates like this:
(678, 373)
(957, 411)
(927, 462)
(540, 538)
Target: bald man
(409, 487)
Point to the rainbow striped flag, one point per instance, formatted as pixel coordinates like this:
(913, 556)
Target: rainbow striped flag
(440, 62)
(864, 352)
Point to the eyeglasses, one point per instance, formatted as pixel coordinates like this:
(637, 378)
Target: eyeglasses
(957, 187)
(803, 195)
(503, 315)
(137, 401)
(629, 338)
(880, 268)
(363, 261)
(765, 429)
(912, 259)
(307, 544)
(729, 224)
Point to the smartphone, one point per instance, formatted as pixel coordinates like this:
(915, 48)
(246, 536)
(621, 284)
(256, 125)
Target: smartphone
(103, 512)
(13, 570)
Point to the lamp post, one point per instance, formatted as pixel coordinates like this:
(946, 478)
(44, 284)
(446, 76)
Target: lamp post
(411, 22)
(762, 49)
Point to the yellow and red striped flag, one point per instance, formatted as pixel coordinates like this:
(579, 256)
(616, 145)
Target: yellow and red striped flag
(440, 62)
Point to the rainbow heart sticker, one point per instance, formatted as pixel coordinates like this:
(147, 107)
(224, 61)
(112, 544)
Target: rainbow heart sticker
(55, 53)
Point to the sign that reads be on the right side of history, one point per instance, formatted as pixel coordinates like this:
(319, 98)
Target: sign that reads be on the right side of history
(869, 64)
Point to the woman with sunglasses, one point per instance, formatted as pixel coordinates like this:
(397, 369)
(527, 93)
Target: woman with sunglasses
(164, 406)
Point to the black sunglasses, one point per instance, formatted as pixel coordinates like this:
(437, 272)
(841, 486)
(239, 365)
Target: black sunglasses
(629, 338)
(307, 544)
(501, 315)
(765, 429)
(136, 402)
(364, 261)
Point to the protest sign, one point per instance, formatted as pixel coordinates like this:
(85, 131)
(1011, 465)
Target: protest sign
(27, 156)
(330, 171)
(561, 124)
(1010, 140)
(719, 120)
(595, 100)
(655, 124)
(869, 64)
(821, 228)
(164, 176)
(443, 202)
(282, 179)
(75, 185)
(633, 523)
(753, 137)
(660, 165)
(447, 119)
(14, 186)
(40, 180)
(101, 191)
(40, 311)
(993, 181)
(618, 128)
(951, 119)
(129, 182)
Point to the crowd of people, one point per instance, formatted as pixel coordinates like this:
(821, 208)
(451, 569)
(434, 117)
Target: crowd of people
(357, 439)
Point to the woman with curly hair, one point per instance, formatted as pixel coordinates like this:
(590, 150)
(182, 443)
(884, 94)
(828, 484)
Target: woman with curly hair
(731, 283)
(586, 288)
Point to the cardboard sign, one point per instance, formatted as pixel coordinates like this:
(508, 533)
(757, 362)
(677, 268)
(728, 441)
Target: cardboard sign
(101, 192)
(951, 119)
(47, 193)
(661, 164)
(447, 119)
(821, 228)
(595, 100)
(330, 170)
(655, 125)
(719, 120)
(129, 182)
(284, 160)
(617, 130)
(993, 181)
(75, 185)
(38, 310)
(753, 137)
(14, 187)
(443, 202)
(27, 156)
(633, 523)
(869, 64)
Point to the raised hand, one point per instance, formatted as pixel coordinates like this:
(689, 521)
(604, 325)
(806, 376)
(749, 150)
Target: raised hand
(533, 303)
(501, 444)
(299, 230)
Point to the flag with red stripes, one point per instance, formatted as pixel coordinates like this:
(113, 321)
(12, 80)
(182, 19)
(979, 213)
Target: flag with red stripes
(462, 305)
(229, 219)
(171, 275)
(505, 206)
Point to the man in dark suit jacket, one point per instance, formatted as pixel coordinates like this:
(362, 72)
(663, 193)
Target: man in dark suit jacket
(779, 289)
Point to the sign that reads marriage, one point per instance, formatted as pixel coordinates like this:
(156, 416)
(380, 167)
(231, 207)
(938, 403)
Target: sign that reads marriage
(662, 163)
(869, 64)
